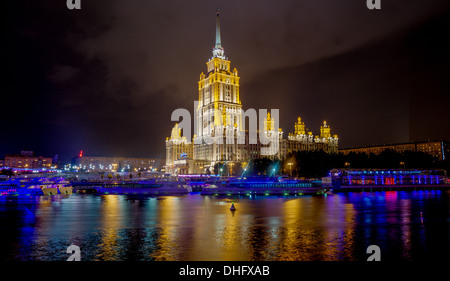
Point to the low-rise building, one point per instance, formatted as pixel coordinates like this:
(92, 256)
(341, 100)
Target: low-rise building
(116, 164)
(26, 160)
(437, 148)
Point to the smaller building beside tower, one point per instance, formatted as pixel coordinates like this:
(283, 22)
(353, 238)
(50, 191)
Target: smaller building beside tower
(178, 147)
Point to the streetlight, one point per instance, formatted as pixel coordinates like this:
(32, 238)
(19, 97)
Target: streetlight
(347, 164)
(290, 168)
(231, 168)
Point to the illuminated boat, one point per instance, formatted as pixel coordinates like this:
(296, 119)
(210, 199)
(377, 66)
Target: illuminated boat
(387, 179)
(46, 186)
(35, 186)
(265, 186)
(215, 182)
(11, 187)
(163, 186)
(16, 187)
(63, 186)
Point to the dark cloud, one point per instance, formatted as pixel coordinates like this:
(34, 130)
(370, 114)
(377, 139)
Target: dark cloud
(62, 73)
(106, 78)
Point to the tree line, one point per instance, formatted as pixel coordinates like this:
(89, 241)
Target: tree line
(316, 164)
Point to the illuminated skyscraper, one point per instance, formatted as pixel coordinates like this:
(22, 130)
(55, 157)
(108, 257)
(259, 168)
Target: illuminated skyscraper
(219, 111)
(219, 128)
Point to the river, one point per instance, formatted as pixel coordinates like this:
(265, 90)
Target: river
(405, 225)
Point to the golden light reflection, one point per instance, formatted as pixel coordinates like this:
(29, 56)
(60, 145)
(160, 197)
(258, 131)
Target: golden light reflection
(204, 243)
(331, 238)
(349, 234)
(339, 225)
(169, 214)
(294, 217)
(234, 233)
(227, 233)
(218, 233)
(110, 219)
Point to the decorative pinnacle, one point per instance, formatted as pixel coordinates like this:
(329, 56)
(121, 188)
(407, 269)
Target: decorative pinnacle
(218, 50)
(218, 43)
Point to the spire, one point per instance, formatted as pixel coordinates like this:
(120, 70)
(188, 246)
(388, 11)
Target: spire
(218, 50)
(218, 45)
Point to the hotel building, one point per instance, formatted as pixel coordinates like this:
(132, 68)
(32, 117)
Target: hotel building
(219, 132)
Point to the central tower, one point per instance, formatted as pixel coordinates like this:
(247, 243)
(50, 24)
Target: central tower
(219, 125)
(219, 111)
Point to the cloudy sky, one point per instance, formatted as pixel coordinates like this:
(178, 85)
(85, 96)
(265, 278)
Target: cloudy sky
(105, 79)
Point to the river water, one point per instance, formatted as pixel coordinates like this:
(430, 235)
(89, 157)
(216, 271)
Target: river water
(405, 225)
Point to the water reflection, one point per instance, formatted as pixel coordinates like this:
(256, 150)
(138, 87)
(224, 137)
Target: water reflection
(406, 225)
(316, 228)
(169, 210)
(110, 213)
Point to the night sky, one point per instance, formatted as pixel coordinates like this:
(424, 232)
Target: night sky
(105, 79)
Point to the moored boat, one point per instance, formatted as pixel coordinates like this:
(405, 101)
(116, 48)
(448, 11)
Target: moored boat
(63, 186)
(265, 186)
(163, 186)
(35, 186)
(46, 186)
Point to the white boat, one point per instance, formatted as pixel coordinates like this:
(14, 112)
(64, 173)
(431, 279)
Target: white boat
(63, 186)
(45, 185)
(173, 185)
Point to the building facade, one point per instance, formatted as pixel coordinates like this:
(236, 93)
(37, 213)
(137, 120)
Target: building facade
(26, 160)
(302, 140)
(437, 148)
(178, 147)
(116, 164)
